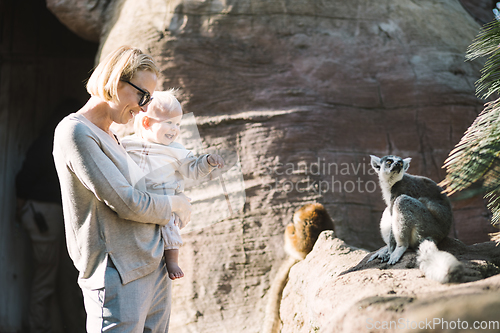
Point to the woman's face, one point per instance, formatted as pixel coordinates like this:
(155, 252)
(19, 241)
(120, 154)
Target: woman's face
(128, 105)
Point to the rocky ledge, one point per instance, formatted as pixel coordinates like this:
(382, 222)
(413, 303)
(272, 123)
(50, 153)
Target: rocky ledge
(335, 289)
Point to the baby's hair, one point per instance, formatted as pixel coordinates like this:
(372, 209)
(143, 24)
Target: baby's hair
(163, 101)
(166, 101)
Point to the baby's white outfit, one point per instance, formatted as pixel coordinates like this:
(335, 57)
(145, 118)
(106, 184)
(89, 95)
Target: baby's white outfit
(165, 168)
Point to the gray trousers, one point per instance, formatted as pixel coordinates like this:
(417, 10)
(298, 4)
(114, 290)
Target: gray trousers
(142, 305)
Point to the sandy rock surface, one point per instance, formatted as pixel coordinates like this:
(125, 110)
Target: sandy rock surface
(335, 290)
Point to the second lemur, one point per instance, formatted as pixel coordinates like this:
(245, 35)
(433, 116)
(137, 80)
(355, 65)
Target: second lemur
(300, 236)
(418, 215)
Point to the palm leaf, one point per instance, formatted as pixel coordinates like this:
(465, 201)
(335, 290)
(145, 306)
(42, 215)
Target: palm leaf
(486, 44)
(476, 158)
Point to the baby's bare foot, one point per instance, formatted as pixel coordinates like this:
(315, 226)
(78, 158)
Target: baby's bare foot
(174, 271)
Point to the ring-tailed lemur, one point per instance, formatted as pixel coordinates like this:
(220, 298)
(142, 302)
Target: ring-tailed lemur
(418, 214)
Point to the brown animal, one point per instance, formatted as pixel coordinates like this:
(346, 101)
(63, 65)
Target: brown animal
(308, 222)
(300, 235)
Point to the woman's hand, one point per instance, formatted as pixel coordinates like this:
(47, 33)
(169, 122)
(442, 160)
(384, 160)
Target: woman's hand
(181, 207)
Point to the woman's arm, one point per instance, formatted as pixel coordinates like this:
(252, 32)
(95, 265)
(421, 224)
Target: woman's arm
(78, 150)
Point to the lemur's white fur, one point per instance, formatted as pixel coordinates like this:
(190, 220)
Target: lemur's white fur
(438, 265)
(417, 213)
(387, 179)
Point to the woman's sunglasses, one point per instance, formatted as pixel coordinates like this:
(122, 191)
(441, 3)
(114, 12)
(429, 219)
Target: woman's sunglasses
(146, 96)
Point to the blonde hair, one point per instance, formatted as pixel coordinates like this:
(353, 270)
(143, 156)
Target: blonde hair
(121, 65)
(162, 104)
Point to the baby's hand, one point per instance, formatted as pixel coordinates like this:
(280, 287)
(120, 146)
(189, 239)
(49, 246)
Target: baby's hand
(216, 161)
(179, 223)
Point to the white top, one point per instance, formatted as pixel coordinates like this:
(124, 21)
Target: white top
(166, 167)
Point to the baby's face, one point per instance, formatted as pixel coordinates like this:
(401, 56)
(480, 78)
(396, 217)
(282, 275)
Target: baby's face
(166, 129)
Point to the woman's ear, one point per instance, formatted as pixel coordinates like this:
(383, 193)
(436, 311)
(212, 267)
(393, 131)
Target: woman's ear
(145, 122)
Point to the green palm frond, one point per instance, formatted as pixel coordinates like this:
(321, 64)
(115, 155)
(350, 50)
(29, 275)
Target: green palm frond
(494, 205)
(487, 43)
(476, 158)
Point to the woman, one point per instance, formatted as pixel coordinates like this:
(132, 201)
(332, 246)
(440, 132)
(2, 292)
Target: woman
(112, 225)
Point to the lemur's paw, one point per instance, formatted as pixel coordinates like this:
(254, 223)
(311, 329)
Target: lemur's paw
(392, 261)
(383, 254)
(397, 254)
(385, 257)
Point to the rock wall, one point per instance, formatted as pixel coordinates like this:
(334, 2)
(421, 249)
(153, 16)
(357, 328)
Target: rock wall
(481, 10)
(309, 78)
(303, 91)
(335, 290)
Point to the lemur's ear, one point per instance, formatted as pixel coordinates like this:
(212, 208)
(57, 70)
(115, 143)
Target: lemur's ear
(375, 162)
(406, 163)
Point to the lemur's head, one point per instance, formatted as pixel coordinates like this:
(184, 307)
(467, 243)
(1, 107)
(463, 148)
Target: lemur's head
(390, 168)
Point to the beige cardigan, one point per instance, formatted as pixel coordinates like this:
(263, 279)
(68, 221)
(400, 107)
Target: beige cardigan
(106, 212)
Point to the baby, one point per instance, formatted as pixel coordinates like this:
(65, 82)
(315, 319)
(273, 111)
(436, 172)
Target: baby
(166, 163)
